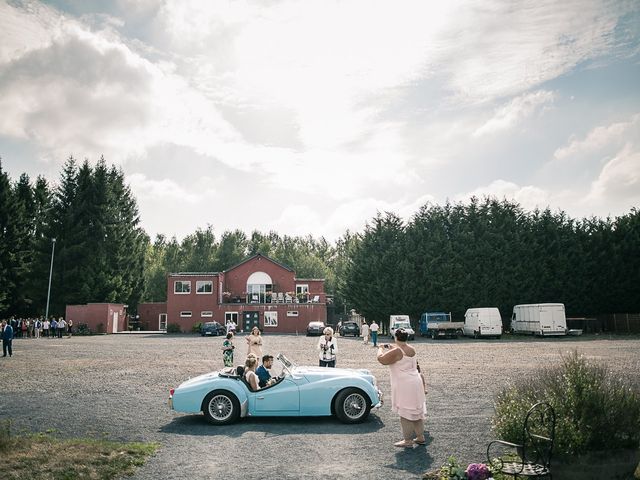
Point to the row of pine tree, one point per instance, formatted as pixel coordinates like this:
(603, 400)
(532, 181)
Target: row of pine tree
(452, 257)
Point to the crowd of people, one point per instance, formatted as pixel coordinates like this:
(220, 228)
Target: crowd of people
(408, 385)
(32, 328)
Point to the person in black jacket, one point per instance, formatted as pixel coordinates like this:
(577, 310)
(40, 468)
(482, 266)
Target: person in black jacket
(7, 338)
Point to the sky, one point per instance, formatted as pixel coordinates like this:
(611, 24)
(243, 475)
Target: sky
(309, 117)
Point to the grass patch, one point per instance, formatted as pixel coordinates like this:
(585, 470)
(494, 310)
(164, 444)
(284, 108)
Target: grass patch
(42, 456)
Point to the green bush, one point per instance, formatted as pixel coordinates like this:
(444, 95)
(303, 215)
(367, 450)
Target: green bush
(595, 410)
(196, 328)
(174, 328)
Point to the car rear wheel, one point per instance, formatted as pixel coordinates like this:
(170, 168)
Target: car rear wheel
(221, 407)
(352, 406)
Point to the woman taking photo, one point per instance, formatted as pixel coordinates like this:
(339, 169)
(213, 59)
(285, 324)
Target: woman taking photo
(407, 390)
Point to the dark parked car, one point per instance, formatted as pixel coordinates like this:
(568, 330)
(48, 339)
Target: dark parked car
(315, 328)
(349, 328)
(212, 328)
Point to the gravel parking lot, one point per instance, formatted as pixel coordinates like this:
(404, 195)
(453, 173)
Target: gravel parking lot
(116, 386)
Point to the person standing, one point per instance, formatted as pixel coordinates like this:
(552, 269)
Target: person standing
(61, 326)
(231, 327)
(364, 330)
(407, 389)
(254, 343)
(374, 333)
(69, 327)
(7, 339)
(37, 327)
(54, 327)
(328, 347)
(227, 350)
(45, 327)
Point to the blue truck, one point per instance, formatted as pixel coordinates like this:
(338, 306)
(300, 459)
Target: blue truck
(439, 325)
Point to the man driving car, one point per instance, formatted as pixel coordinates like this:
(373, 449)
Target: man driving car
(264, 376)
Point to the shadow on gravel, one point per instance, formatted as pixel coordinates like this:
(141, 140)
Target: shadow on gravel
(198, 426)
(416, 460)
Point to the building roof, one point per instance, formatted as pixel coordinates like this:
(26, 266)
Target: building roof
(258, 255)
(194, 274)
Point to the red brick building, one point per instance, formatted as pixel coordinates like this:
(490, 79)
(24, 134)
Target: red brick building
(258, 291)
(99, 317)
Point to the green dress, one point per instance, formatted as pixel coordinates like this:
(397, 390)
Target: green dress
(227, 355)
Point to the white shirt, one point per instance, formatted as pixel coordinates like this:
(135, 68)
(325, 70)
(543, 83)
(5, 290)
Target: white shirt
(46, 325)
(374, 327)
(328, 348)
(62, 324)
(365, 330)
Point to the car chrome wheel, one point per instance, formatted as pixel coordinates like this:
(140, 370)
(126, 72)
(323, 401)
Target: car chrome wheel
(221, 407)
(352, 406)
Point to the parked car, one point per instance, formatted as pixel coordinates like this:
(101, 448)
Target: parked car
(315, 328)
(212, 328)
(225, 396)
(401, 321)
(349, 328)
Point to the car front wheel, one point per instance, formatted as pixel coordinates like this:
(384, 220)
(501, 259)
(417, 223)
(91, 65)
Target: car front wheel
(352, 406)
(221, 407)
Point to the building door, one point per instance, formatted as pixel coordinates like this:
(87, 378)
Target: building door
(162, 322)
(250, 320)
(114, 328)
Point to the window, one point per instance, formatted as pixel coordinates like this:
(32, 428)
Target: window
(185, 314)
(204, 286)
(292, 313)
(302, 288)
(231, 316)
(182, 287)
(270, 319)
(206, 314)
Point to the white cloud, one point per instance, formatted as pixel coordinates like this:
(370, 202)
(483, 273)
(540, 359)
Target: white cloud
(497, 48)
(147, 189)
(600, 138)
(515, 111)
(619, 180)
(528, 196)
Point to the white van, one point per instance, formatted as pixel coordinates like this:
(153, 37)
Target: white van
(482, 322)
(401, 321)
(539, 319)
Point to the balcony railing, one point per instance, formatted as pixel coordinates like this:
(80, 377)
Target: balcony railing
(271, 298)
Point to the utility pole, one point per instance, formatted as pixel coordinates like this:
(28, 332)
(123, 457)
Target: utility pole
(53, 251)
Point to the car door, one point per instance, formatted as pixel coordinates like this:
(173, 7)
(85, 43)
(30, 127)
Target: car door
(280, 399)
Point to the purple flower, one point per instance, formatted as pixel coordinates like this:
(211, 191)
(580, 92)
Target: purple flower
(478, 471)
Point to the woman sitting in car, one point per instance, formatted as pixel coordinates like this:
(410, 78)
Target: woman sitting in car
(250, 365)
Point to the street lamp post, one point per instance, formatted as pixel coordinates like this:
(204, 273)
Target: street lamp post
(53, 251)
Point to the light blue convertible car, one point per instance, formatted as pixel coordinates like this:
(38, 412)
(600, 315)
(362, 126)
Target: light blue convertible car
(224, 396)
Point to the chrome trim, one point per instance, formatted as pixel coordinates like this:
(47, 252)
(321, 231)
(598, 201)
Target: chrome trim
(244, 408)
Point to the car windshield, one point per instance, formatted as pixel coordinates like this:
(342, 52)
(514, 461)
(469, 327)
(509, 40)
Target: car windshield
(287, 365)
(402, 325)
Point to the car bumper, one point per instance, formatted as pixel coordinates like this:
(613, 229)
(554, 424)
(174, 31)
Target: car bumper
(381, 398)
(170, 402)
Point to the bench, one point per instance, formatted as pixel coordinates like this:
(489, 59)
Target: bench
(532, 457)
